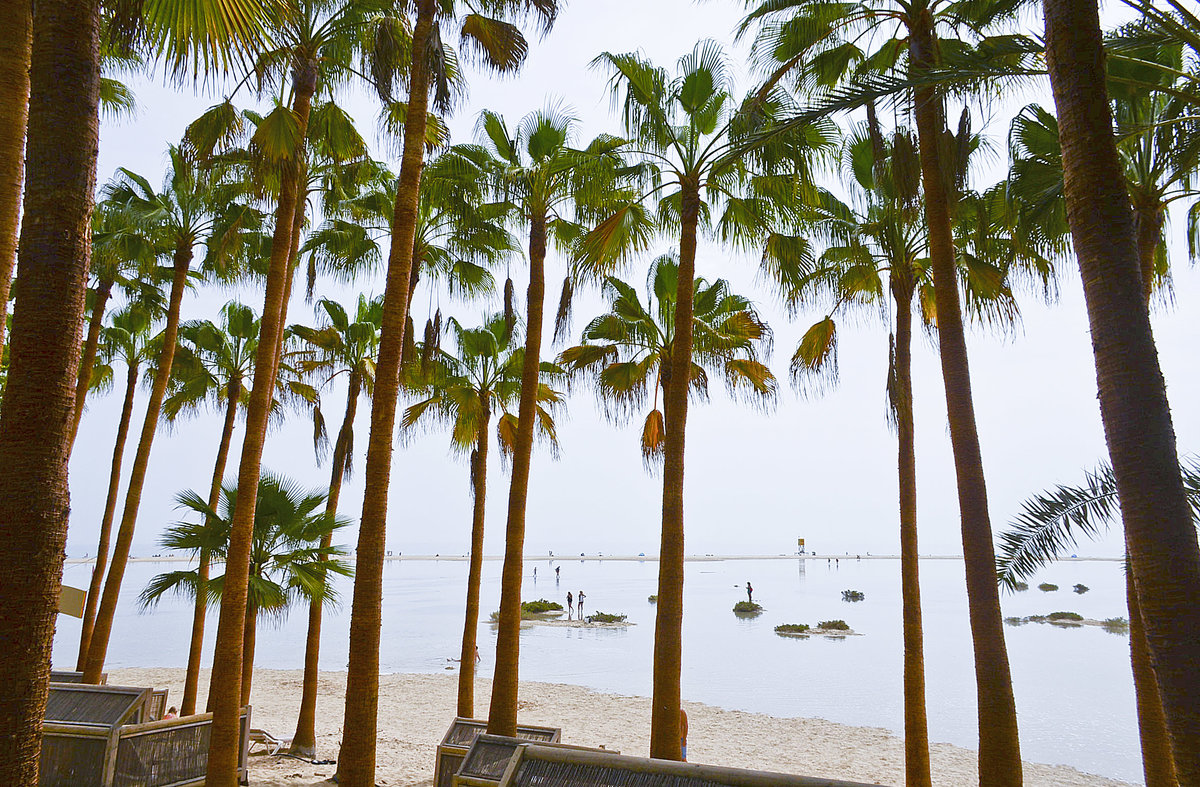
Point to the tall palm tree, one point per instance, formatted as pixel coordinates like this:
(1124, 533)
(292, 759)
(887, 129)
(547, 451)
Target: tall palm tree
(194, 207)
(213, 365)
(1047, 528)
(1160, 539)
(549, 186)
(499, 44)
(912, 36)
(708, 173)
(463, 391)
(292, 559)
(127, 340)
(35, 416)
(626, 350)
(347, 346)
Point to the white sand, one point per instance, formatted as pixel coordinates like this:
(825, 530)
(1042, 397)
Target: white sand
(415, 710)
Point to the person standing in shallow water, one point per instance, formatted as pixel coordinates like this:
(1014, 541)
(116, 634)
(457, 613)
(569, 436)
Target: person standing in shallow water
(570, 604)
(580, 598)
(749, 592)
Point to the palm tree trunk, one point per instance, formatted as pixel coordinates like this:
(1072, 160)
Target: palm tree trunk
(16, 17)
(110, 507)
(1148, 225)
(249, 629)
(916, 726)
(668, 627)
(225, 685)
(356, 763)
(35, 416)
(90, 344)
(999, 745)
(191, 680)
(1158, 765)
(1159, 533)
(466, 664)
(304, 742)
(98, 647)
(502, 714)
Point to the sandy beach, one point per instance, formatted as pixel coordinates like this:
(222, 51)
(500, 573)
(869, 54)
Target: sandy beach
(415, 710)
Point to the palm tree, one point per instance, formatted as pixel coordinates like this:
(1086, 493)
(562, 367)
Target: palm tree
(292, 559)
(691, 133)
(463, 391)
(343, 347)
(118, 246)
(1047, 528)
(127, 340)
(626, 349)
(1159, 535)
(548, 186)
(16, 26)
(910, 36)
(500, 45)
(35, 417)
(213, 364)
(194, 207)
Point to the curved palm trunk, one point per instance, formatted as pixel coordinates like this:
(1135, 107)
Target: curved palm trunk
(466, 665)
(15, 30)
(1158, 765)
(1159, 533)
(191, 680)
(225, 685)
(98, 647)
(916, 726)
(999, 745)
(356, 763)
(249, 630)
(668, 624)
(110, 507)
(304, 742)
(90, 345)
(35, 416)
(502, 714)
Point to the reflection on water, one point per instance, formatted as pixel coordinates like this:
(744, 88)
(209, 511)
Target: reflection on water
(1073, 686)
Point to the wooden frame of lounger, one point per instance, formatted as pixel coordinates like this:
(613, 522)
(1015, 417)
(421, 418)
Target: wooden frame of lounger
(470, 774)
(462, 733)
(70, 676)
(653, 772)
(104, 754)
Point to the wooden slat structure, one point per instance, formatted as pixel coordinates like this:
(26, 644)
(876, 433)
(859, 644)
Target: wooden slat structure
(102, 736)
(463, 732)
(488, 758)
(66, 676)
(556, 766)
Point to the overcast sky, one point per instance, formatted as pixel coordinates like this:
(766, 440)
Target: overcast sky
(822, 469)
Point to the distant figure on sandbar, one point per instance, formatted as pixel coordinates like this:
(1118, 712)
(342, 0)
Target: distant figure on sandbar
(749, 592)
(580, 598)
(683, 727)
(570, 604)
(556, 570)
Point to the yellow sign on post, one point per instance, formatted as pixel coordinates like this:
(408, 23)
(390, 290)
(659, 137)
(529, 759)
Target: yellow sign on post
(71, 601)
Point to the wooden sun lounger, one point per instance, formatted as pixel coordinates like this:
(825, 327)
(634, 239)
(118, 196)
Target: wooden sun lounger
(556, 766)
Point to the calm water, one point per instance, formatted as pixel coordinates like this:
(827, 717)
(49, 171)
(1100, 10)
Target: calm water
(1073, 686)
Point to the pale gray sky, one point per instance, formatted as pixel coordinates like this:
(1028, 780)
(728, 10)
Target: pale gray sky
(822, 469)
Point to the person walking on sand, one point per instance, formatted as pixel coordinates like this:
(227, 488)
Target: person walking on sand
(749, 592)
(580, 597)
(570, 604)
(683, 734)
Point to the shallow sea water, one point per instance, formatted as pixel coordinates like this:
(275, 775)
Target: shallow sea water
(1074, 690)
